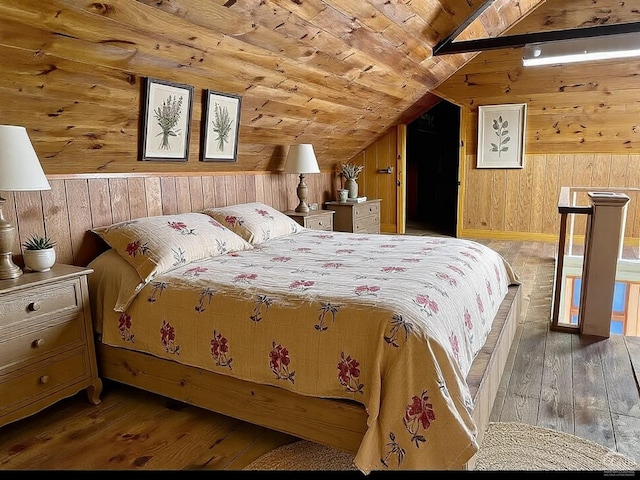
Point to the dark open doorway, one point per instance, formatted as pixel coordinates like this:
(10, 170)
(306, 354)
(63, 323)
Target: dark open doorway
(433, 147)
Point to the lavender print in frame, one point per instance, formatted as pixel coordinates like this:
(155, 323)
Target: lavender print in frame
(165, 121)
(220, 125)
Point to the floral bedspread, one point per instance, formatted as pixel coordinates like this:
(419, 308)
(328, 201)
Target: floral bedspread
(390, 321)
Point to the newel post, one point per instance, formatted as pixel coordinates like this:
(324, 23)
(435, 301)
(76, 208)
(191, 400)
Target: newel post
(602, 248)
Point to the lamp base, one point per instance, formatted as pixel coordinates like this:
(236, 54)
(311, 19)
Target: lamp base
(302, 208)
(302, 196)
(8, 269)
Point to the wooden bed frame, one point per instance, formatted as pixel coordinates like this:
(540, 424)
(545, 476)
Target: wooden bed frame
(117, 197)
(337, 423)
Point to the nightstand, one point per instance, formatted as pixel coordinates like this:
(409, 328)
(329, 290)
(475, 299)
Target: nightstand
(47, 348)
(315, 219)
(354, 217)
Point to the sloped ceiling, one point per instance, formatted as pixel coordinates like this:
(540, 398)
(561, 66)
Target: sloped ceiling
(335, 73)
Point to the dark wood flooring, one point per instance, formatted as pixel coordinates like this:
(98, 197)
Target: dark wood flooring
(557, 380)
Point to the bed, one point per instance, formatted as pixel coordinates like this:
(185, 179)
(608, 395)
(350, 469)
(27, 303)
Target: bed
(387, 346)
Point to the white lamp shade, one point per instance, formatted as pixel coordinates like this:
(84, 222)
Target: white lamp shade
(20, 168)
(301, 159)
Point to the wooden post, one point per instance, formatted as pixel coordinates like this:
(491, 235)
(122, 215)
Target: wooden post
(602, 248)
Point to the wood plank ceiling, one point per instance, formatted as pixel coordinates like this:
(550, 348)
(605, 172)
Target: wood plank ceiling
(335, 73)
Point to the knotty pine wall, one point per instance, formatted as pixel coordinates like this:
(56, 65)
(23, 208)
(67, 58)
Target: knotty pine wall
(76, 203)
(72, 73)
(583, 127)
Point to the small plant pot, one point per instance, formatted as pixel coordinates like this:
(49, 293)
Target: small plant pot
(39, 260)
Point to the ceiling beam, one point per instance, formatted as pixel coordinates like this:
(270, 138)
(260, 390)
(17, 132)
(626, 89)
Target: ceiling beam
(515, 41)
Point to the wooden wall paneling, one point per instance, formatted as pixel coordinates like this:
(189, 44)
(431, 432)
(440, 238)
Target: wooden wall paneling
(511, 198)
(551, 218)
(183, 194)
(240, 189)
(220, 191)
(119, 193)
(498, 192)
(524, 198)
(283, 189)
(153, 194)
(137, 197)
(56, 220)
(231, 196)
(267, 189)
(9, 212)
(537, 164)
(472, 198)
(619, 169)
(99, 202)
(274, 186)
(169, 195)
(29, 215)
(196, 193)
(259, 179)
(208, 192)
(83, 242)
(250, 187)
(602, 170)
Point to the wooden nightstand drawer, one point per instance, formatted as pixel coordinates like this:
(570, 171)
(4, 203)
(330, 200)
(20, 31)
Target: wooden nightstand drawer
(54, 299)
(35, 342)
(42, 379)
(364, 209)
(369, 224)
(314, 219)
(320, 222)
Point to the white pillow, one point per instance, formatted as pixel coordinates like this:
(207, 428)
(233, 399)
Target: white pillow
(255, 222)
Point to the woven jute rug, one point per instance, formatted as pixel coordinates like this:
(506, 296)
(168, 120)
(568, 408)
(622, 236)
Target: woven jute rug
(505, 446)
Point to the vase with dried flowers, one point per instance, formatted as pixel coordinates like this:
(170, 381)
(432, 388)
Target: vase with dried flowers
(351, 172)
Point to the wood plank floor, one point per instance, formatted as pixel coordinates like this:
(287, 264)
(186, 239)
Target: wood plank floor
(556, 380)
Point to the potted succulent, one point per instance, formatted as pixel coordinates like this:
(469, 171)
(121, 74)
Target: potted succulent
(351, 172)
(39, 254)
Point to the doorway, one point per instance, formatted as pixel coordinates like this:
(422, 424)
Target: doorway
(433, 148)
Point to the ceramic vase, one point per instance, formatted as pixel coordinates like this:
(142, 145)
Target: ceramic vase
(352, 186)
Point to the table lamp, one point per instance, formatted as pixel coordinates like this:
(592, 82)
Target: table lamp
(301, 159)
(20, 170)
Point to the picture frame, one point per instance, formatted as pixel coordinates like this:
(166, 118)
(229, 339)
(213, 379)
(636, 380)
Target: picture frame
(501, 135)
(220, 127)
(165, 121)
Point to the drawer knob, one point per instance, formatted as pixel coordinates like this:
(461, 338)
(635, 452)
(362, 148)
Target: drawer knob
(44, 379)
(33, 307)
(320, 223)
(38, 343)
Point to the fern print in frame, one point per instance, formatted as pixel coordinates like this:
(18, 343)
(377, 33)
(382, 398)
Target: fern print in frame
(220, 126)
(501, 135)
(165, 121)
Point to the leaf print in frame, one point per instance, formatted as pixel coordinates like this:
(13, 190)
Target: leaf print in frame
(501, 135)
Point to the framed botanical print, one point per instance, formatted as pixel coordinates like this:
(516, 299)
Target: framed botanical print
(220, 125)
(165, 121)
(501, 133)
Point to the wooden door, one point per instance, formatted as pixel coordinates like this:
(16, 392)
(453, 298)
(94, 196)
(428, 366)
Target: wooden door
(384, 177)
